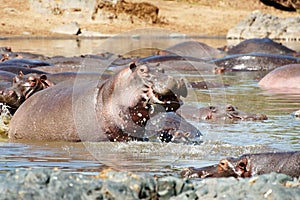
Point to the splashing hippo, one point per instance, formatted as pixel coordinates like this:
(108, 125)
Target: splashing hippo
(284, 77)
(249, 165)
(216, 113)
(23, 87)
(122, 106)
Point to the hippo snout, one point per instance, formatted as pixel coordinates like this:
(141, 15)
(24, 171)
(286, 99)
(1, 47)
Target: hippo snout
(170, 85)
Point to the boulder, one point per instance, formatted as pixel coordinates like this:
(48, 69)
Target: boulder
(261, 25)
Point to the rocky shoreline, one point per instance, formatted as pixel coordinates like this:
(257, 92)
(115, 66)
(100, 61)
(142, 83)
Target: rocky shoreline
(41, 183)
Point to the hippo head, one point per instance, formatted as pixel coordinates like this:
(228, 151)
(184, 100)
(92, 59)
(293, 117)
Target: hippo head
(229, 112)
(23, 87)
(140, 92)
(235, 167)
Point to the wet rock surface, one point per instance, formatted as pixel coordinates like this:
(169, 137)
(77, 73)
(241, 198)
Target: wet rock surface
(55, 184)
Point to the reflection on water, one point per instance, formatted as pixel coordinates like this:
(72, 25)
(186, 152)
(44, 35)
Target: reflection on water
(281, 132)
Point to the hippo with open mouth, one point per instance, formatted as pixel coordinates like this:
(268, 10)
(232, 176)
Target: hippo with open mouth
(122, 105)
(249, 165)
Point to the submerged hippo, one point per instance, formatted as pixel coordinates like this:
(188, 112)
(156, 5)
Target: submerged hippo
(260, 45)
(284, 77)
(22, 88)
(254, 62)
(216, 113)
(193, 49)
(24, 62)
(171, 127)
(249, 165)
(122, 105)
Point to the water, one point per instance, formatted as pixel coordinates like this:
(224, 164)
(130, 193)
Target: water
(281, 132)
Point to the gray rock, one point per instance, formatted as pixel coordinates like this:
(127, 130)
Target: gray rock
(260, 25)
(56, 184)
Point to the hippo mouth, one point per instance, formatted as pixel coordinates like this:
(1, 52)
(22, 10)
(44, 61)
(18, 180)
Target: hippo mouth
(168, 97)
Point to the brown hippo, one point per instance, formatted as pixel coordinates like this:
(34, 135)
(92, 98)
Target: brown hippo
(249, 165)
(116, 109)
(254, 62)
(23, 87)
(216, 113)
(284, 77)
(260, 45)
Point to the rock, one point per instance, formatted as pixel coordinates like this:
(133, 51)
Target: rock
(286, 5)
(55, 184)
(260, 25)
(68, 29)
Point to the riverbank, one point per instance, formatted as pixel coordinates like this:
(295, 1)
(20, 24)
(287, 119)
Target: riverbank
(56, 184)
(208, 18)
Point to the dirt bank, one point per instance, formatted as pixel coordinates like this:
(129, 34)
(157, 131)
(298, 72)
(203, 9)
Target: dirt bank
(193, 17)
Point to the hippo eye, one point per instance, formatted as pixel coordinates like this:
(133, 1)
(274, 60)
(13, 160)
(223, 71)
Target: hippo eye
(222, 163)
(143, 69)
(242, 165)
(230, 108)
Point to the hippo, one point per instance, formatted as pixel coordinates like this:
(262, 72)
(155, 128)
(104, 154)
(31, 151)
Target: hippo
(17, 69)
(193, 49)
(254, 62)
(284, 77)
(23, 87)
(177, 62)
(207, 85)
(260, 45)
(217, 113)
(24, 62)
(122, 105)
(249, 165)
(171, 127)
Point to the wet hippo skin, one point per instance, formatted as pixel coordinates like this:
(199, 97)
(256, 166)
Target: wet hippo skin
(249, 165)
(287, 76)
(122, 104)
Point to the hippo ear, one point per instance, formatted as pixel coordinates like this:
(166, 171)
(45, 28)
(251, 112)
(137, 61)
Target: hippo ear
(46, 83)
(132, 66)
(43, 77)
(21, 74)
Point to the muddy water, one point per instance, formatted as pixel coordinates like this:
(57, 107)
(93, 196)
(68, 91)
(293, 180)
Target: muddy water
(281, 132)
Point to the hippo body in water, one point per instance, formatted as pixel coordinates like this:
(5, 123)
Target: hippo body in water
(260, 45)
(24, 62)
(254, 62)
(193, 49)
(218, 113)
(249, 165)
(121, 105)
(282, 78)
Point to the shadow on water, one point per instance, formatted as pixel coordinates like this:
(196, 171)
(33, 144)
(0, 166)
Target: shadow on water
(281, 132)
